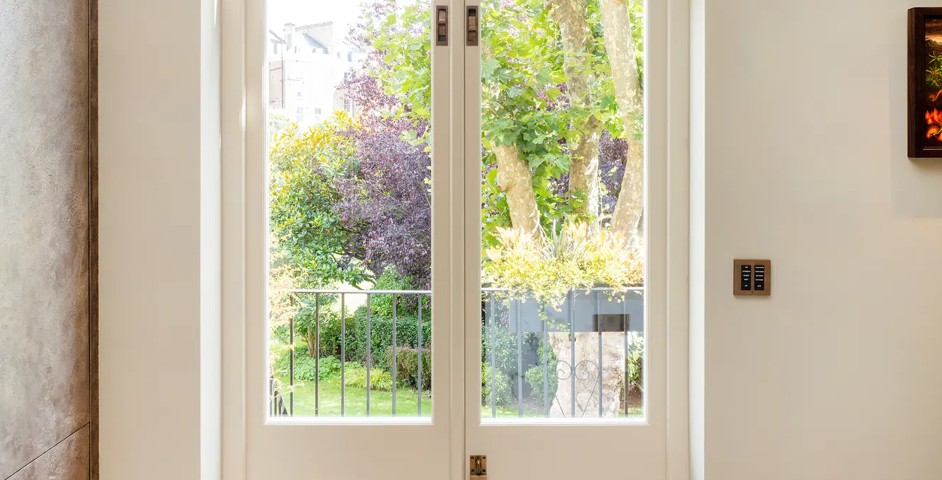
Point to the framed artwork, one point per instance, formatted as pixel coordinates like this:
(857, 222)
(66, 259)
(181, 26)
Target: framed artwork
(925, 82)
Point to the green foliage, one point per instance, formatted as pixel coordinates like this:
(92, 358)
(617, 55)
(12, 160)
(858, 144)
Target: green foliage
(634, 363)
(355, 376)
(496, 383)
(380, 338)
(306, 368)
(534, 374)
(376, 330)
(304, 167)
(407, 366)
(525, 102)
(499, 347)
(305, 365)
(400, 34)
(392, 280)
(534, 378)
(330, 328)
(576, 259)
(329, 366)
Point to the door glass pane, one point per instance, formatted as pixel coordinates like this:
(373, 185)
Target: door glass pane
(349, 208)
(562, 209)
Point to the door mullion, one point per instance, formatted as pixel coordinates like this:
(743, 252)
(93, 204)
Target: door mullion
(455, 97)
(470, 113)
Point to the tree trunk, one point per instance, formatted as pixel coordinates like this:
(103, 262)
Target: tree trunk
(311, 340)
(516, 181)
(578, 65)
(616, 22)
(584, 175)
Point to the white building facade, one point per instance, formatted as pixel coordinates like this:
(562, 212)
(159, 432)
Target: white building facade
(307, 67)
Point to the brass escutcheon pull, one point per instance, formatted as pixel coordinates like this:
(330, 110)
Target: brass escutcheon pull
(478, 467)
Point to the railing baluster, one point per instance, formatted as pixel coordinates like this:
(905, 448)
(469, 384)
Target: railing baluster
(291, 359)
(369, 348)
(544, 341)
(419, 373)
(572, 352)
(599, 328)
(624, 311)
(395, 365)
(519, 361)
(317, 354)
(343, 352)
(493, 354)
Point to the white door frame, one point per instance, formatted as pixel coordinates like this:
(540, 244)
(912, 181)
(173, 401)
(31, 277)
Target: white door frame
(241, 106)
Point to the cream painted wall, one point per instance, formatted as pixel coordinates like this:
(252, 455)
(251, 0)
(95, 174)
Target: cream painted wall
(159, 239)
(837, 375)
(803, 108)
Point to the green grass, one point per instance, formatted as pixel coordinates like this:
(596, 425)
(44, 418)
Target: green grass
(354, 400)
(533, 408)
(381, 402)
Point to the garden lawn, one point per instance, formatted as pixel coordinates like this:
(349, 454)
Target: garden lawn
(381, 402)
(354, 400)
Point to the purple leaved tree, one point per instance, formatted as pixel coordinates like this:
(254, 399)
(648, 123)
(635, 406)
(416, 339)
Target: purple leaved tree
(385, 199)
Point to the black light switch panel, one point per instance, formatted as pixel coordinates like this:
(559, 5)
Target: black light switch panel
(752, 278)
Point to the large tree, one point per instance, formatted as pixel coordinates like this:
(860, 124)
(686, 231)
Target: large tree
(558, 76)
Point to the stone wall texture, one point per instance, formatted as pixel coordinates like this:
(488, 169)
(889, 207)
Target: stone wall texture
(46, 401)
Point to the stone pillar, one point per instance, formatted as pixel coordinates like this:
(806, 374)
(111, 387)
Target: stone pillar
(46, 410)
(586, 373)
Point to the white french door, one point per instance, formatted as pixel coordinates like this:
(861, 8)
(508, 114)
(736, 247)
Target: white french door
(438, 264)
(321, 399)
(576, 409)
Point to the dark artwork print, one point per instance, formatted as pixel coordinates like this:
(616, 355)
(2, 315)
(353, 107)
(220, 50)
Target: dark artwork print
(925, 82)
(933, 79)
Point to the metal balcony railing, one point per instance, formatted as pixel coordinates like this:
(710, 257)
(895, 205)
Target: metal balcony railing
(523, 322)
(319, 296)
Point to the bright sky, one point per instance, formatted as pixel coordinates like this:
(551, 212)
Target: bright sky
(343, 13)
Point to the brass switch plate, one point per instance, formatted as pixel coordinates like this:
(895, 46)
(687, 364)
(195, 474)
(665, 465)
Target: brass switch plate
(752, 278)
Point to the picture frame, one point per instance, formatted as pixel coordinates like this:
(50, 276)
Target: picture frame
(925, 83)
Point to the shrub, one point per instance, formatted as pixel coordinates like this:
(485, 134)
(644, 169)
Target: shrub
(330, 331)
(534, 377)
(502, 344)
(379, 319)
(500, 387)
(329, 366)
(380, 335)
(548, 269)
(407, 360)
(355, 376)
(392, 280)
(305, 365)
(373, 327)
(634, 363)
